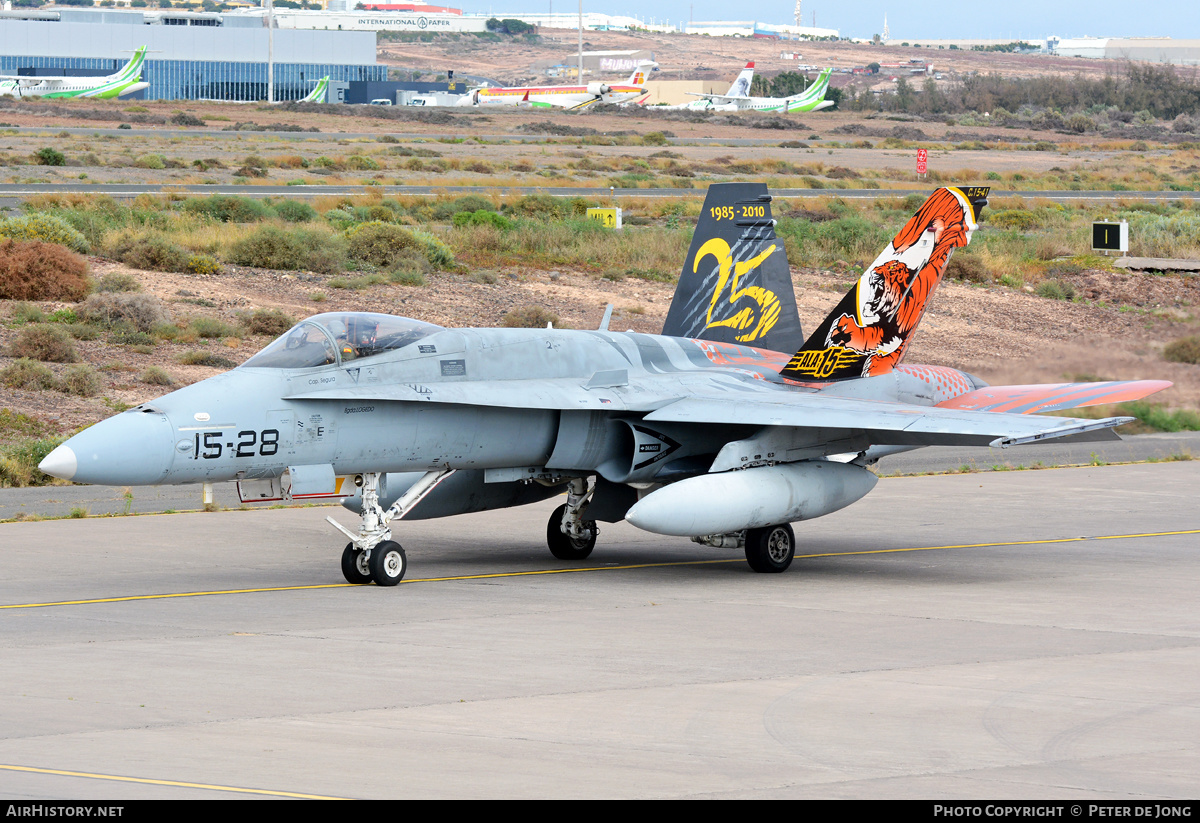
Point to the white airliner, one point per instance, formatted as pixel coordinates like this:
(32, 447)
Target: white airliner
(811, 99)
(563, 97)
(739, 89)
(127, 81)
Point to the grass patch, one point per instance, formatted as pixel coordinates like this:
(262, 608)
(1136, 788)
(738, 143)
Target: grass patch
(24, 442)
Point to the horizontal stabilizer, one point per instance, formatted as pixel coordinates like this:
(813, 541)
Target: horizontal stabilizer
(883, 423)
(1053, 396)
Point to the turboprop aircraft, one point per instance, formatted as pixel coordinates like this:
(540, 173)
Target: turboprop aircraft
(127, 81)
(740, 88)
(563, 97)
(811, 99)
(711, 430)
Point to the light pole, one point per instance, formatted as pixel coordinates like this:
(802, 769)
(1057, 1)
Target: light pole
(270, 51)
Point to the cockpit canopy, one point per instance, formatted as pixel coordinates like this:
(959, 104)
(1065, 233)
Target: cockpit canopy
(338, 337)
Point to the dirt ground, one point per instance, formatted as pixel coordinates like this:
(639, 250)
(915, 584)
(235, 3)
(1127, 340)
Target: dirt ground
(683, 56)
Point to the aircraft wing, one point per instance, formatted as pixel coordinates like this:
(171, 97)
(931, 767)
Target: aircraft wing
(708, 399)
(26, 80)
(887, 423)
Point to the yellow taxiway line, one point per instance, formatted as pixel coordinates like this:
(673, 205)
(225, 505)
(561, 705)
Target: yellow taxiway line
(180, 783)
(626, 567)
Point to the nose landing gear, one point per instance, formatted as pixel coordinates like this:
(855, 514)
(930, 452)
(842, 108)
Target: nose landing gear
(568, 535)
(372, 555)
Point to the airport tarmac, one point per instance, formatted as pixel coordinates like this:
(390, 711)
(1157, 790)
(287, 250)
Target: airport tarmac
(994, 635)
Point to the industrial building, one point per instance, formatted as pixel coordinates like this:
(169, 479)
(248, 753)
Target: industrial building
(1150, 49)
(192, 56)
(756, 28)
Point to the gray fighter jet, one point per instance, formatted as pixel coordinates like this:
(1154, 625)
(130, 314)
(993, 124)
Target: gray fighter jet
(726, 428)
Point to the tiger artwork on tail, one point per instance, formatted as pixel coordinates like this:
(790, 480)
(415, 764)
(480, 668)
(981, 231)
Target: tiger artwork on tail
(869, 331)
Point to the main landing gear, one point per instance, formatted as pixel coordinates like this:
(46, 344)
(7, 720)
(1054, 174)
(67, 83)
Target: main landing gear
(372, 555)
(568, 535)
(769, 550)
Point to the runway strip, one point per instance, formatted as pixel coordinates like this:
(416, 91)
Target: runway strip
(609, 568)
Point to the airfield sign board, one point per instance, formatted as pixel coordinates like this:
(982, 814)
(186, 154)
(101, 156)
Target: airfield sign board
(1108, 236)
(610, 217)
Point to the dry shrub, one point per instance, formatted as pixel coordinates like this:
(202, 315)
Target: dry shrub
(528, 317)
(203, 358)
(142, 311)
(47, 342)
(290, 161)
(28, 374)
(33, 270)
(44, 227)
(971, 269)
(1055, 289)
(81, 380)
(271, 322)
(118, 281)
(156, 376)
(379, 243)
(151, 252)
(1183, 350)
(270, 247)
(1050, 247)
(203, 264)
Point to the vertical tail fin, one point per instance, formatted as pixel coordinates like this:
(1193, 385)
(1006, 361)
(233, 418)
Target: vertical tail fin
(640, 74)
(741, 86)
(133, 69)
(813, 95)
(317, 95)
(736, 286)
(869, 330)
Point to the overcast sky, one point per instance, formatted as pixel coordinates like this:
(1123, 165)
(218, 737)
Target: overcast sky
(1014, 19)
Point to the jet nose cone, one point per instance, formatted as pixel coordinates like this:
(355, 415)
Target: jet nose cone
(132, 449)
(60, 463)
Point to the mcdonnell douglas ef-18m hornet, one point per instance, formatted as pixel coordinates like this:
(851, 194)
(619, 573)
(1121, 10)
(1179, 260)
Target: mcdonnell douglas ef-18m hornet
(711, 430)
(126, 81)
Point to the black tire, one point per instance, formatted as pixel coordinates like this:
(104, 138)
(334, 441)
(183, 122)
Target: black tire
(388, 563)
(770, 550)
(354, 566)
(565, 547)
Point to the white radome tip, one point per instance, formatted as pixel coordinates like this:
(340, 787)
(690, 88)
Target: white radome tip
(60, 463)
